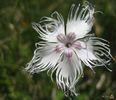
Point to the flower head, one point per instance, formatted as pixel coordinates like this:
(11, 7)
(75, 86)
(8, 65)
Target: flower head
(63, 51)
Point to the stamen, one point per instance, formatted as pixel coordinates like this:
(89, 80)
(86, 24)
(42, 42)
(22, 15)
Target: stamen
(68, 44)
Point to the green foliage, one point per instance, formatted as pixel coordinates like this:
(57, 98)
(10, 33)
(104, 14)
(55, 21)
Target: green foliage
(17, 43)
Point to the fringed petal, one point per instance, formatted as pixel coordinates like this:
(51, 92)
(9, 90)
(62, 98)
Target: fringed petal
(101, 50)
(49, 27)
(68, 72)
(44, 58)
(96, 53)
(80, 19)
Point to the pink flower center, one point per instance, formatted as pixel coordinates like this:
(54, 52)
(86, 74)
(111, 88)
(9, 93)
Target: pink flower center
(66, 42)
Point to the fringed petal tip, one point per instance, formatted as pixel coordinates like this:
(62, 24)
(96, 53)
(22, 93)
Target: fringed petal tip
(29, 69)
(68, 92)
(83, 12)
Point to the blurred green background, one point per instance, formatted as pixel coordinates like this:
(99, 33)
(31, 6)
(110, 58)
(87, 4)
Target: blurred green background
(17, 43)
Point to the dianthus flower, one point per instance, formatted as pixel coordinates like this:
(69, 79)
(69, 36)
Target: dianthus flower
(63, 49)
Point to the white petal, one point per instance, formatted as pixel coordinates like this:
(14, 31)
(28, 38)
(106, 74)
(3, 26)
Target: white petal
(49, 27)
(101, 50)
(96, 53)
(80, 19)
(85, 54)
(67, 73)
(44, 58)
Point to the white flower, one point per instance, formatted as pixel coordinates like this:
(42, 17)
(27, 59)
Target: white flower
(64, 51)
